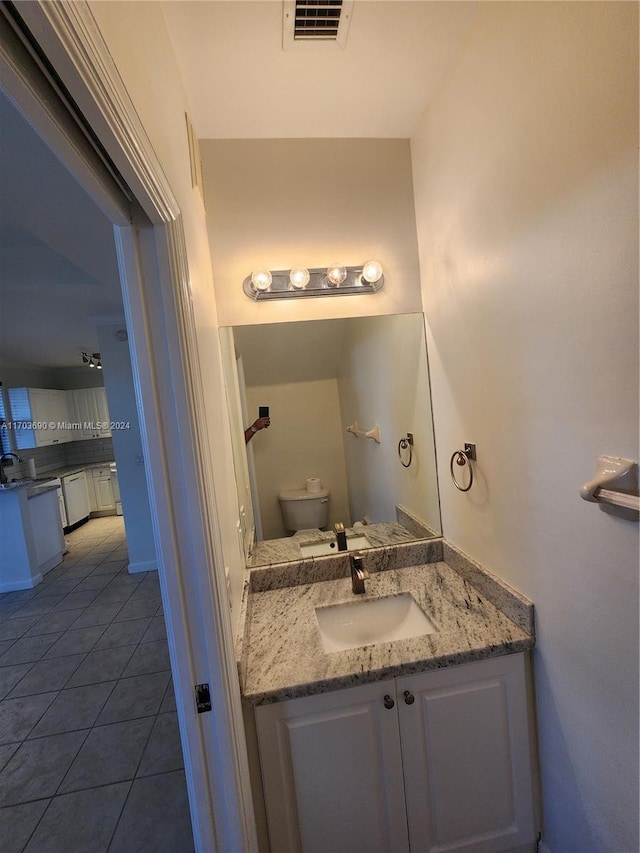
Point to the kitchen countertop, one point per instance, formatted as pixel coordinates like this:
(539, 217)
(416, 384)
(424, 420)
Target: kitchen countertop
(38, 486)
(282, 656)
(68, 470)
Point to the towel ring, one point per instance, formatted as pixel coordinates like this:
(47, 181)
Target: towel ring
(462, 458)
(403, 444)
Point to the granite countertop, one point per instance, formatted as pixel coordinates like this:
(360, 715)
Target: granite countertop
(282, 653)
(287, 548)
(67, 470)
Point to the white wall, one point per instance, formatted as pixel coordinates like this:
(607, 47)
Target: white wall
(82, 376)
(305, 439)
(28, 376)
(313, 202)
(139, 43)
(526, 189)
(127, 446)
(384, 379)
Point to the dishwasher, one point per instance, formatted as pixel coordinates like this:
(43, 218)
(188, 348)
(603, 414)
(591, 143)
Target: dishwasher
(76, 498)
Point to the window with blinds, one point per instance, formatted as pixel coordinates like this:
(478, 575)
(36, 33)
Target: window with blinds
(5, 446)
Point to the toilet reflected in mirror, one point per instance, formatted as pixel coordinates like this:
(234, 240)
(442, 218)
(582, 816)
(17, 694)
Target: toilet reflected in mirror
(304, 510)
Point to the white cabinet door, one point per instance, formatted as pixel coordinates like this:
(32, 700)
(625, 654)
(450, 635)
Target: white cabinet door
(91, 413)
(103, 490)
(45, 408)
(59, 415)
(446, 768)
(101, 412)
(91, 492)
(332, 773)
(39, 406)
(466, 757)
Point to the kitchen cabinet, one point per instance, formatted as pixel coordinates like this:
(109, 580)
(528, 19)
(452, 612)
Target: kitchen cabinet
(31, 536)
(39, 415)
(101, 493)
(90, 411)
(433, 761)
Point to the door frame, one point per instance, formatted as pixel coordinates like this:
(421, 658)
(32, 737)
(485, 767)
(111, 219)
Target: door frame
(149, 236)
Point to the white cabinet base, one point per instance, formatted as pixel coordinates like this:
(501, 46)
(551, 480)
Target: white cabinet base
(434, 762)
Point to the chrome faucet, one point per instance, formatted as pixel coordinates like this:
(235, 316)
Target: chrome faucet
(3, 476)
(341, 535)
(358, 574)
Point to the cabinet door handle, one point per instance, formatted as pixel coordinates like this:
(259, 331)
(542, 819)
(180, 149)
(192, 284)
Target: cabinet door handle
(409, 698)
(388, 702)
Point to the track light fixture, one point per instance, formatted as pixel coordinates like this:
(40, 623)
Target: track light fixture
(92, 360)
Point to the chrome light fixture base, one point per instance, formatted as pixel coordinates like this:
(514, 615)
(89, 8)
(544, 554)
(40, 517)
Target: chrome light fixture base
(281, 287)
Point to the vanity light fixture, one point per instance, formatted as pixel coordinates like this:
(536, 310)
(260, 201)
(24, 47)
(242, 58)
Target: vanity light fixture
(297, 282)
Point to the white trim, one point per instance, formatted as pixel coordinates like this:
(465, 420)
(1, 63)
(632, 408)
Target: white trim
(15, 586)
(169, 393)
(144, 566)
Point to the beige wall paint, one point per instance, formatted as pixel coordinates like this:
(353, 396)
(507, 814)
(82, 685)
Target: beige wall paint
(310, 202)
(305, 439)
(384, 380)
(137, 38)
(526, 189)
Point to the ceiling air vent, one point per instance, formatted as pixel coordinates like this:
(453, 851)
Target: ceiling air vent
(316, 23)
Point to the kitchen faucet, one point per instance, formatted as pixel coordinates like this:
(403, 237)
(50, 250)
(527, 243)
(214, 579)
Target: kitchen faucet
(3, 476)
(358, 574)
(341, 535)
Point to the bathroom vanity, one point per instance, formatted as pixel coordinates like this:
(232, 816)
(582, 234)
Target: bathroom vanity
(422, 743)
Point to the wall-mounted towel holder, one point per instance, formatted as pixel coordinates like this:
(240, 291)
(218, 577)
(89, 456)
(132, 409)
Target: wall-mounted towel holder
(373, 433)
(615, 487)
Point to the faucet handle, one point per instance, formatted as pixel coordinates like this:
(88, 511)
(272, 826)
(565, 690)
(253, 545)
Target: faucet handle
(356, 561)
(338, 527)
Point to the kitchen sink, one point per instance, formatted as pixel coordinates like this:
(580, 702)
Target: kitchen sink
(376, 620)
(322, 549)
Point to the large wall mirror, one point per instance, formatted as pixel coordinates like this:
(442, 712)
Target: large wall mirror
(319, 378)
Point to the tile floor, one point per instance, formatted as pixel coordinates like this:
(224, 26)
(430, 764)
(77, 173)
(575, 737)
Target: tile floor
(90, 756)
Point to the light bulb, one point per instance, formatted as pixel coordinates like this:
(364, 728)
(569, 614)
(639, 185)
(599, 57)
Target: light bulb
(261, 279)
(372, 272)
(336, 275)
(299, 277)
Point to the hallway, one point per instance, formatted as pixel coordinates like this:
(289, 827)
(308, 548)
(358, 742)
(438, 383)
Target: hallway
(90, 755)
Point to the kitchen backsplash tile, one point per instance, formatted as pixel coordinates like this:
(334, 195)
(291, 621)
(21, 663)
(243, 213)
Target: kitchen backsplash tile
(89, 451)
(58, 456)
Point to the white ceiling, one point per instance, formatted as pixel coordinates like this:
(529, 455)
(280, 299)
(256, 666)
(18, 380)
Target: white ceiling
(241, 84)
(58, 267)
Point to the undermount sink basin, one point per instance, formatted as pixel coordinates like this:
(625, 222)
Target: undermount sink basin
(375, 620)
(321, 549)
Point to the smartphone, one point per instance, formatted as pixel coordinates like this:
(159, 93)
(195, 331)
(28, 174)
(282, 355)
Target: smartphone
(263, 411)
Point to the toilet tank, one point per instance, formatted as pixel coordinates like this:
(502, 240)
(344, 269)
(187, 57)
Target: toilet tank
(302, 510)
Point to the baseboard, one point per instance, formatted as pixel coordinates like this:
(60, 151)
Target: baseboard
(50, 564)
(143, 566)
(14, 586)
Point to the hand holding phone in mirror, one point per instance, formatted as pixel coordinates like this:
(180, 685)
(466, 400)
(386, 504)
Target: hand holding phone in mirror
(262, 422)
